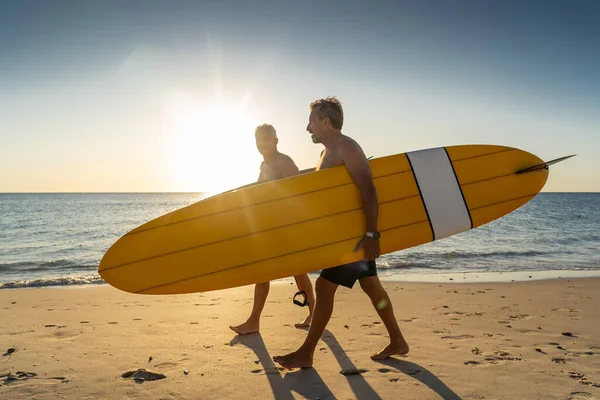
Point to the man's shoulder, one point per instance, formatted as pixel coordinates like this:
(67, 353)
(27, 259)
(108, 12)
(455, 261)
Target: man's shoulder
(284, 158)
(348, 144)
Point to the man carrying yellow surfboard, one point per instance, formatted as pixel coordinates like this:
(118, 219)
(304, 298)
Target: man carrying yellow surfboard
(325, 125)
(275, 166)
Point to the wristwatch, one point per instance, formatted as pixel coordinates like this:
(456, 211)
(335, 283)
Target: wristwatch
(374, 235)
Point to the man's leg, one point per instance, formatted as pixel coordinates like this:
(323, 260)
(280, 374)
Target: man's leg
(305, 284)
(303, 357)
(252, 325)
(381, 301)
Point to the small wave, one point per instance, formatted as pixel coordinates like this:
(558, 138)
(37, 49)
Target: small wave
(433, 260)
(405, 265)
(56, 281)
(457, 254)
(32, 266)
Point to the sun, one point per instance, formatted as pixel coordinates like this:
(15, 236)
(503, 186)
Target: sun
(212, 146)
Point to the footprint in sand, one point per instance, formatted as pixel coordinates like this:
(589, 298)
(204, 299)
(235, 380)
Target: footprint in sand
(455, 313)
(575, 375)
(9, 352)
(84, 322)
(472, 363)
(268, 371)
(459, 337)
(408, 320)
(581, 378)
(370, 325)
(501, 355)
(519, 316)
(384, 370)
(581, 396)
(171, 363)
(9, 378)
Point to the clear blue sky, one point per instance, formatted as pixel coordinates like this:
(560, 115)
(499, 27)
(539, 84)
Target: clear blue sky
(163, 96)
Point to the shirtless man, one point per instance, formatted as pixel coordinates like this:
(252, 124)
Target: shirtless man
(325, 124)
(275, 166)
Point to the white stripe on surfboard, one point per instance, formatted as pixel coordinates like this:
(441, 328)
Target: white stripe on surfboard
(444, 202)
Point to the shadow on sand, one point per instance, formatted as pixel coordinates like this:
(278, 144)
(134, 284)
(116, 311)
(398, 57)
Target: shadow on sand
(308, 382)
(421, 374)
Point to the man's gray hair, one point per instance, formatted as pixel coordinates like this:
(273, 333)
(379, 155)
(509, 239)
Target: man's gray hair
(267, 128)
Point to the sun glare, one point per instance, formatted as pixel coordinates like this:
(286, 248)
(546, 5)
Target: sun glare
(213, 148)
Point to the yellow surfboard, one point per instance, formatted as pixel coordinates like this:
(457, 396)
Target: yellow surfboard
(312, 221)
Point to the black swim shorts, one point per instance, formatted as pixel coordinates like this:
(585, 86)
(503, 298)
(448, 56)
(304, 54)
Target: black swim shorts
(347, 274)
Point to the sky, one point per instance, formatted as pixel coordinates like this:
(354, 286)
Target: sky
(161, 96)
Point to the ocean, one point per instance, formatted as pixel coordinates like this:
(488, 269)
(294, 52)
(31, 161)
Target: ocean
(59, 239)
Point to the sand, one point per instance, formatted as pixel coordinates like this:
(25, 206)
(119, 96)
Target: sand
(468, 341)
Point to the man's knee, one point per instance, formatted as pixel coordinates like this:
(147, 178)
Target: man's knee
(324, 287)
(369, 284)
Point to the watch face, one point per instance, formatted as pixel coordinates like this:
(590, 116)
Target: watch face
(376, 235)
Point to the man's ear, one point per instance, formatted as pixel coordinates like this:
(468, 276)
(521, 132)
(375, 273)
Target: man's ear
(276, 141)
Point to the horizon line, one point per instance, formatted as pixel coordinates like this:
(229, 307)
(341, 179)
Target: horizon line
(200, 192)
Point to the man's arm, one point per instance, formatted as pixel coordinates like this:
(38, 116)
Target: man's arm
(358, 166)
(360, 172)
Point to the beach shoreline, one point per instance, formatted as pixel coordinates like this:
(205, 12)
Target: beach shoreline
(473, 340)
(384, 274)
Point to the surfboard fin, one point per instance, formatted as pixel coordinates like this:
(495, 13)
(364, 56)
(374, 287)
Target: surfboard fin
(544, 165)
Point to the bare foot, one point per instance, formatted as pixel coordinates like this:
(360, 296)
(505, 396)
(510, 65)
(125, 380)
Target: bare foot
(294, 360)
(400, 349)
(246, 328)
(305, 324)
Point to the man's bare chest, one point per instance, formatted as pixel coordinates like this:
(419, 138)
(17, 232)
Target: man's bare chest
(269, 172)
(330, 159)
